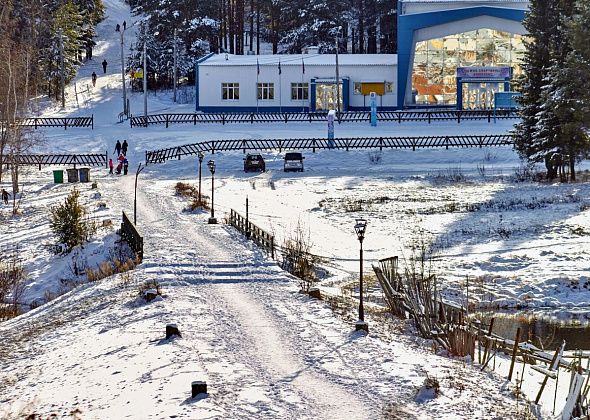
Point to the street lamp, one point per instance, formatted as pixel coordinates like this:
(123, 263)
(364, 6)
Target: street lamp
(360, 227)
(211, 165)
(201, 156)
(121, 32)
(139, 169)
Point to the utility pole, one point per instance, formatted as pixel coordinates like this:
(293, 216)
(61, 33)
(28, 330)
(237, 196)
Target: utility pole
(337, 81)
(175, 64)
(125, 110)
(63, 76)
(145, 114)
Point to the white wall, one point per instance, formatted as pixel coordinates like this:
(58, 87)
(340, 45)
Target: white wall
(212, 76)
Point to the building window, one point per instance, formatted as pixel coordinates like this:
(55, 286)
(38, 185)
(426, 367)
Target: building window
(299, 91)
(434, 71)
(230, 91)
(388, 87)
(266, 91)
(358, 88)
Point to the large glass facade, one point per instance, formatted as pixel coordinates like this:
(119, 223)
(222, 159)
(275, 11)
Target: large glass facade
(436, 61)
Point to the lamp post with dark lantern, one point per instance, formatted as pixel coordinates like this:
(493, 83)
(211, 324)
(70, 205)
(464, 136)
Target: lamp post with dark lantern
(211, 165)
(201, 156)
(360, 228)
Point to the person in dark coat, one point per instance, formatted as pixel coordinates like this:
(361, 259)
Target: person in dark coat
(118, 148)
(124, 25)
(5, 196)
(125, 166)
(118, 28)
(104, 66)
(124, 147)
(93, 79)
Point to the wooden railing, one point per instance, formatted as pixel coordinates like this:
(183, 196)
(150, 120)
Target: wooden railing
(351, 116)
(86, 159)
(65, 122)
(259, 236)
(130, 235)
(162, 155)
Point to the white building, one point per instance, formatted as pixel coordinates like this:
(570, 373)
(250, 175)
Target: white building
(294, 83)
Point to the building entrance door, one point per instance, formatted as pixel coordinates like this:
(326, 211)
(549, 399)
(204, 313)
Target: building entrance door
(480, 95)
(326, 98)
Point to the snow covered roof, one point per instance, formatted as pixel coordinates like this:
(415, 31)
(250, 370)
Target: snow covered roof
(295, 60)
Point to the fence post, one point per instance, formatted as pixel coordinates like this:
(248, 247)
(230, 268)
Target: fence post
(166, 120)
(458, 116)
(251, 118)
(514, 351)
(489, 116)
(244, 146)
(286, 115)
(65, 123)
(447, 142)
(106, 158)
(35, 123)
(313, 143)
(223, 119)
(428, 117)
(399, 117)
(146, 157)
(380, 143)
(92, 122)
(195, 118)
(272, 247)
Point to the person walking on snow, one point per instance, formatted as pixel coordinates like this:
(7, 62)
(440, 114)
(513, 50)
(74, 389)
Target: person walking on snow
(111, 166)
(125, 166)
(118, 148)
(124, 148)
(93, 79)
(124, 25)
(5, 196)
(104, 66)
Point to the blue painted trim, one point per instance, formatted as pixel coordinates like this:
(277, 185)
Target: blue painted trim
(261, 109)
(345, 94)
(408, 24)
(199, 61)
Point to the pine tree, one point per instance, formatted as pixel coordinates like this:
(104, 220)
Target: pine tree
(68, 222)
(541, 24)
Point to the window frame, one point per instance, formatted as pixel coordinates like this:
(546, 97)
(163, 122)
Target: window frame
(265, 89)
(230, 87)
(300, 87)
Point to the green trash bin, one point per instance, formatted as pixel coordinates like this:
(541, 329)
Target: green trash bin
(72, 175)
(58, 176)
(84, 174)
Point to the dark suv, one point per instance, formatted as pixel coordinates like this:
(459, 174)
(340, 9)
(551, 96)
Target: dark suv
(293, 162)
(254, 163)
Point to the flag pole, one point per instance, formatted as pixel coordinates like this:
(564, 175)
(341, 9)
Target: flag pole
(302, 96)
(280, 99)
(257, 74)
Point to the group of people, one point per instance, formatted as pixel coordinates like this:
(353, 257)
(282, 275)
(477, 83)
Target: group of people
(121, 151)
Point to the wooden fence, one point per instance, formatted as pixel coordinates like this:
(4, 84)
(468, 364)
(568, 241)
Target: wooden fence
(378, 143)
(86, 159)
(352, 116)
(130, 235)
(415, 296)
(65, 122)
(259, 236)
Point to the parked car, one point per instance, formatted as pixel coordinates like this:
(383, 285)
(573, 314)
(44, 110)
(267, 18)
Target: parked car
(293, 162)
(254, 162)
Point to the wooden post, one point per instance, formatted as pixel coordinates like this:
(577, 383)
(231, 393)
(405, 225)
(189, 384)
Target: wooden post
(198, 387)
(514, 352)
(172, 330)
(547, 377)
(485, 353)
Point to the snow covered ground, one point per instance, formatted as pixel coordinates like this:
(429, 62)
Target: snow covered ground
(265, 350)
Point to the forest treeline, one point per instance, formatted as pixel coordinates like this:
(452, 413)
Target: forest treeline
(260, 26)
